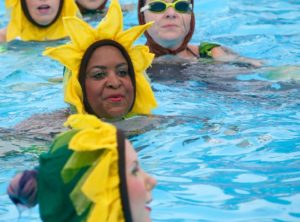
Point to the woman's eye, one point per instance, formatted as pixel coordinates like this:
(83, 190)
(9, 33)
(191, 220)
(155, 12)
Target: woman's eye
(123, 72)
(99, 75)
(135, 171)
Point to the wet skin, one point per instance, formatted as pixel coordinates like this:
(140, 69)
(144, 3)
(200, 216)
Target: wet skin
(109, 89)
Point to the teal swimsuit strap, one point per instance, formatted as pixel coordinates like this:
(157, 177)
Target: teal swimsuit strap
(205, 49)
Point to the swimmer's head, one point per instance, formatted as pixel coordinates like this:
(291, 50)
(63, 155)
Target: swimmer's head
(38, 20)
(174, 24)
(130, 91)
(92, 174)
(42, 13)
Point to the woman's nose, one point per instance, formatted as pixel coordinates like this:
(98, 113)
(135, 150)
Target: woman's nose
(150, 182)
(113, 80)
(170, 12)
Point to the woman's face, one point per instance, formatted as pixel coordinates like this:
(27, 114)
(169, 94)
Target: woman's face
(109, 89)
(170, 27)
(90, 4)
(139, 185)
(43, 12)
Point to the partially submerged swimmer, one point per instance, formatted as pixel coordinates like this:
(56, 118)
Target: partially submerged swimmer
(173, 29)
(91, 173)
(106, 74)
(37, 20)
(120, 77)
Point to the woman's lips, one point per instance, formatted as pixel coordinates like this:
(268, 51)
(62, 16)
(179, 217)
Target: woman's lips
(115, 98)
(169, 26)
(44, 9)
(148, 208)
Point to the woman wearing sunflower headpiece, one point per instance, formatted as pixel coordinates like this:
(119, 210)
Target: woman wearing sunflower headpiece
(106, 72)
(37, 20)
(91, 173)
(106, 75)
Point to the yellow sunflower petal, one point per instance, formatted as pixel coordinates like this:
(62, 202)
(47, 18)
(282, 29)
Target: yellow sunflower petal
(128, 37)
(80, 32)
(106, 194)
(92, 139)
(10, 3)
(98, 193)
(141, 57)
(65, 54)
(95, 211)
(145, 99)
(112, 24)
(97, 134)
(15, 23)
(73, 94)
(101, 212)
(78, 121)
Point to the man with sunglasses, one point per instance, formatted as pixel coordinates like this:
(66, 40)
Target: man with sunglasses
(173, 29)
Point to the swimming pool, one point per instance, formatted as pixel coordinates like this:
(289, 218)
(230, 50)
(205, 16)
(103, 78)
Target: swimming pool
(237, 155)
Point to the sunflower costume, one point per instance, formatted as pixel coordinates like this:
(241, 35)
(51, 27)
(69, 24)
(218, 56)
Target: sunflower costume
(22, 26)
(109, 30)
(82, 177)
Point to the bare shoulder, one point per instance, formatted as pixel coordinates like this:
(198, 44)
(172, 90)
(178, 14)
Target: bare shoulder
(143, 123)
(45, 123)
(220, 51)
(34, 134)
(225, 54)
(3, 35)
(194, 48)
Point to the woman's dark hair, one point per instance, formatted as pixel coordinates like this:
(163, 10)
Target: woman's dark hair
(28, 16)
(157, 49)
(84, 62)
(122, 175)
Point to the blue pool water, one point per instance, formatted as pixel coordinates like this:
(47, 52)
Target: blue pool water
(236, 158)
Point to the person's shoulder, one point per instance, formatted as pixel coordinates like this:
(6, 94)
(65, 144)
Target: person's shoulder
(194, 49)
(44, 123)
(3, 35)
(140, 124)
